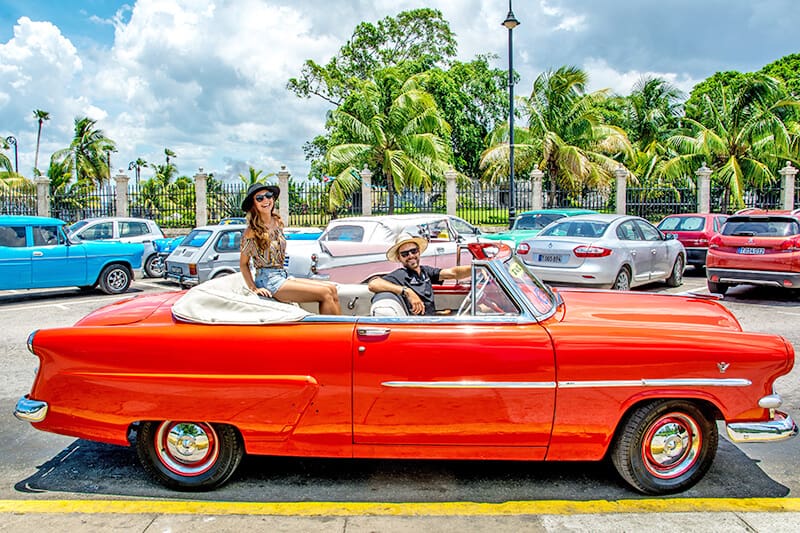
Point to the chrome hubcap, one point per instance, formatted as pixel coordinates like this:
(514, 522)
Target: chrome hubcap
(187, 448)
(671, 446)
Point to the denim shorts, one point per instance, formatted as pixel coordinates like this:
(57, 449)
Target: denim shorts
(271, 279)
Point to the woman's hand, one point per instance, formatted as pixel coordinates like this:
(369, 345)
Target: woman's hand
(261, 291)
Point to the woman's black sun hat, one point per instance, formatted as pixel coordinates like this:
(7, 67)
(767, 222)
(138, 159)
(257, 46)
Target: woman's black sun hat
(254, 189)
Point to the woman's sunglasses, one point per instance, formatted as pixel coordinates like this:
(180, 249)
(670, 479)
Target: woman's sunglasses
(262, 197)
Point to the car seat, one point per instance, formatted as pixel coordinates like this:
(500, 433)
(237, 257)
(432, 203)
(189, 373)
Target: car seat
(387, 304)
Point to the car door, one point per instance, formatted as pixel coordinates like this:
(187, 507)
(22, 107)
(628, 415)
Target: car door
(55, 262)
(660, 260)
(15, 258)
(636, 248)
(488, 381)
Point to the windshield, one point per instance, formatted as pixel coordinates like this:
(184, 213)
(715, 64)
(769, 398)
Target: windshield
(76, 226)
(770, 227)
(535, 291)
(535, 221)
(575, 228)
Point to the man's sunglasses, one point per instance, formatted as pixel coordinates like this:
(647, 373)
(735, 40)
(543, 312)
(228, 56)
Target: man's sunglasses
(406, 253)
(262, 197)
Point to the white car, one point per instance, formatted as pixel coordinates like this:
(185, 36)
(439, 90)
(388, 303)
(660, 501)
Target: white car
(604, 251)
(353, 250)
(123, 229)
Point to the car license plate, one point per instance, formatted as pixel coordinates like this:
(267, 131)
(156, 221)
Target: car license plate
(751, 251)
(175, 270)
(549, 258)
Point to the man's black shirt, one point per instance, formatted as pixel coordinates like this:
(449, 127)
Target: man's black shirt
(421, 283)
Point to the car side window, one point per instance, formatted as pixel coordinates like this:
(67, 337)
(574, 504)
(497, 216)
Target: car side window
(103, 230)
(132, 229)
(648, 232)
(627, 232)
(229, 241)
(464, 228)
(12, 236)
(345, 233)
(45, 235)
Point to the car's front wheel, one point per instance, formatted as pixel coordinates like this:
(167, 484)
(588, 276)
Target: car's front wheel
(675, 278)
(191, 456)
(115, 279)
(154, 266)
(665, 446)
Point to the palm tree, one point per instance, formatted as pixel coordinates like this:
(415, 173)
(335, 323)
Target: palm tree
(7, 175)
(653, 109)
(40, 117)
(739, 134)
(169, 153)
(254, 176)
(137, 165)
(392, 126)
(565, 136)
(87, 152)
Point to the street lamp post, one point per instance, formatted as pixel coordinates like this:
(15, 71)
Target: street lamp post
(511, 22)
(13, 142)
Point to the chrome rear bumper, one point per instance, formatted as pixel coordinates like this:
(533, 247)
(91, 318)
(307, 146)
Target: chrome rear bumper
(29, 410)
(781, 427)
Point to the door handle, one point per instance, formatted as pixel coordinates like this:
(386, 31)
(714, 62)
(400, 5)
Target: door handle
(440, 250)
(373, 332)
(654, 251)
(38, 254)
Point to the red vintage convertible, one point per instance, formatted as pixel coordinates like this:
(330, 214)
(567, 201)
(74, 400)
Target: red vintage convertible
(510, 370)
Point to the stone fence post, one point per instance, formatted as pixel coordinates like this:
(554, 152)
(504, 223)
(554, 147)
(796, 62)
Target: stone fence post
(536, 178)
(451, 191)
(788, 174)
(42, 196)
(366, 191)
(121, 185)
(201, 197)
(622, 188)
(703, 189)
(283, 183)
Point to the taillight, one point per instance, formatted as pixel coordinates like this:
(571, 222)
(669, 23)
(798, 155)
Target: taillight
(591, 251)
(714, 242)
(523, 248)
(790, 245)
(192, 269)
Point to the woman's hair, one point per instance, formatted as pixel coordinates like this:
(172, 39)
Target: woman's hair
(260, 232)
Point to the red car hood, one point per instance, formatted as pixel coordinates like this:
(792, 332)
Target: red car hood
(131, 310)
(634, 309)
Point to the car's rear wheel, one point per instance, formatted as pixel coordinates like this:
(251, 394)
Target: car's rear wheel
(154, 266)
(665, 446)
(623, 280)
(719, 288)
(115, 279)
(191, 456)
(675, 278)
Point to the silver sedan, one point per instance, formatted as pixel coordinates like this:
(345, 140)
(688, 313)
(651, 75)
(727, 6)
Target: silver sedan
(604, 251)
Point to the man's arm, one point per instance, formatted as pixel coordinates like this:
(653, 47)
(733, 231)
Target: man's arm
(456, 272)
(381, 285)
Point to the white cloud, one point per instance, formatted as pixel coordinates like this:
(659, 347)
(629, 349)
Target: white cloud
(604, 76)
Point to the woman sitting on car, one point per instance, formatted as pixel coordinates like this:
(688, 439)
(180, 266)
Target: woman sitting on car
(264, 245)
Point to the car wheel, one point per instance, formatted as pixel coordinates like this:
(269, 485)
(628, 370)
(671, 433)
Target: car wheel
(221, 274)
(665, 446)
(623, 280)
(154, 266)
(115, 279)
(719, 288)
(191, 456)
(676, 277)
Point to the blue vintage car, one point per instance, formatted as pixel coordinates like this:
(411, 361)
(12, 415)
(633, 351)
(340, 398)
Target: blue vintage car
(36, 252)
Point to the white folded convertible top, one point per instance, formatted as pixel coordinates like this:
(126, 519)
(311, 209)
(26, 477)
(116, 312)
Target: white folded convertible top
(227, 300)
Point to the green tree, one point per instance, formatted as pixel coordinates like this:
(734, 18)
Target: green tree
(87, 152)
(137, 166)
(787, 70)
(412, 35)
(740, 135)
(40, 117)
(8, 177)
(392, 126)
(565, 136)
(654, 107)
(254, 176)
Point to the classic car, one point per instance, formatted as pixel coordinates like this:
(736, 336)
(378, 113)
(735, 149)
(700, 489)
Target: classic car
(353, 249)
(755, 247)
(123, 229)
(38, 253)
(694, 231)
(529, 223)
(604, 251)
(515, 371)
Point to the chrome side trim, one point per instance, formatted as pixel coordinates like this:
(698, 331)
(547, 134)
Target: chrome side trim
(687, 382)
(29, 410)
(781, 427)
(470, 384)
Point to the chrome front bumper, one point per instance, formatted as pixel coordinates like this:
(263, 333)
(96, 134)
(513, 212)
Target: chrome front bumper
(781, 427)
(29, 410)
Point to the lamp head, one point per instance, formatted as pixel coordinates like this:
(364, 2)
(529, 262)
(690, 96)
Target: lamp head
(511, 22)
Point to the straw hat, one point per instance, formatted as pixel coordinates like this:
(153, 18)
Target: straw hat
(405, 238)
(256, 188)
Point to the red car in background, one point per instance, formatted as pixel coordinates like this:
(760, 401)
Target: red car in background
(694, 231)
(756, 247)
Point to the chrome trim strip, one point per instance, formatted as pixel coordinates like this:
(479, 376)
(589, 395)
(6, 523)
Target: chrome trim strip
(470, 384)
(687, 382)
(781, 427)
(29, 410)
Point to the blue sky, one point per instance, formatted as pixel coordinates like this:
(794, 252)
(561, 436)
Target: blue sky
(206, 78)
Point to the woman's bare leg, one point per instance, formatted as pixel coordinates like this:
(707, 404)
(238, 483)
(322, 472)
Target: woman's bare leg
(307, 290)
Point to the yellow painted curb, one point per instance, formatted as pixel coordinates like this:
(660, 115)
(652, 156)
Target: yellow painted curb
(551, 507)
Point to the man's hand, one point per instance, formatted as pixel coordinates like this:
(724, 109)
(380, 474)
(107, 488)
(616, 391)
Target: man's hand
(417, 307)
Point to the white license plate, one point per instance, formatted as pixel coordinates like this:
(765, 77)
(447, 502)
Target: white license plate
(550, 258)
(175, 270)
(751, 251)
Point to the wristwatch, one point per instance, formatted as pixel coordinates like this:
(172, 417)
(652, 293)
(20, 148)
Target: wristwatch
(403, 292)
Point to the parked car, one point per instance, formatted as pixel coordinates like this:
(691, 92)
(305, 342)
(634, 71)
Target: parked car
(123, 229)
(605, 251)
(694, 230)
(38, 252)
(757, 248)
(530, 223)
(205, 253)
(353, 250)
(506, 376)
